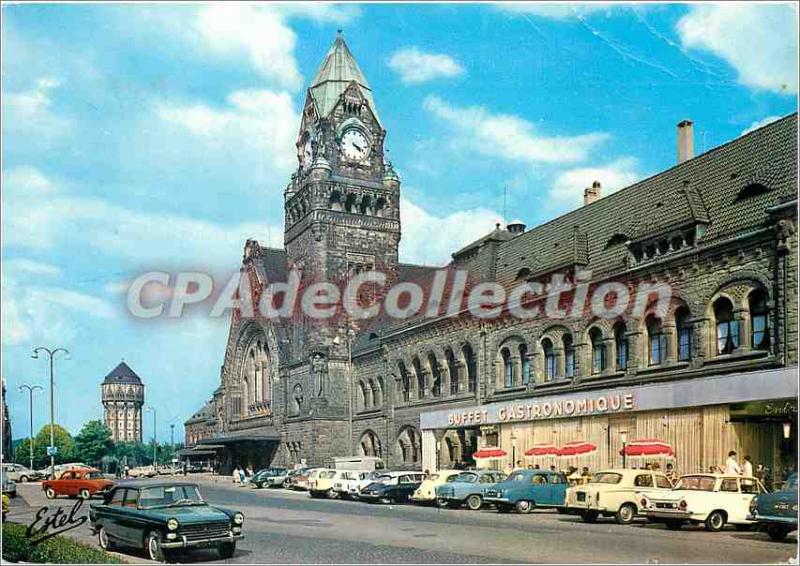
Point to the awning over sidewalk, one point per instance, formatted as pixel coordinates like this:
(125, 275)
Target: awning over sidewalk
(227, 440)
(189, 452)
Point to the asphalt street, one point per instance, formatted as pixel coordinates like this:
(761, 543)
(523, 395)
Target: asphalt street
(283, 526)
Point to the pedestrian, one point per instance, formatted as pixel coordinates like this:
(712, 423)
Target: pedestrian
(647, 466)
(242, 477)
(185, 468)
(731, 465)
(127, 471)
(747, 467)
(520, 465)
(670, 473)
(536, 467)
(236, 476)
(509, 468)
(552, 468)
(656, 467)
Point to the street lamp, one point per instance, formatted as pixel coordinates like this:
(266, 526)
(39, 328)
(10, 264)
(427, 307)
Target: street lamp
(31, 389)
(623, 435)
(52, 448)
(155, 446)
(513, 439)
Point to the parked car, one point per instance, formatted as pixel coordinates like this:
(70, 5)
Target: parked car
(303, 481)
(776, 512)
(712, 499)
(426, 492)
(294, 476)
(21, 474)
(9, 486)
(372, 477)
(321, 483)
(143, 472)
(79, 482)
(524, 490)
(345, 483)
(394, 489)
(61, 468)
(269, 477)
(162, 517)
(616, 493)
(467, 488)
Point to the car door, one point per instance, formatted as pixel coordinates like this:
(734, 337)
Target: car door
(731, 500)
(642, 483)
(539, 490)
(109, 514)
(558, 489)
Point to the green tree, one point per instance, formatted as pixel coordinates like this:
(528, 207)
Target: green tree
(22, 453)
(93, 442)
(63, 441)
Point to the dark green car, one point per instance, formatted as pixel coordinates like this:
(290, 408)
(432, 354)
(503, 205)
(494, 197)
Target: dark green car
(163, 517)
(776, 512)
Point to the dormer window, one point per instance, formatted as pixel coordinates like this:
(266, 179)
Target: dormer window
(752, 190)
(523, 273)
(616, 240)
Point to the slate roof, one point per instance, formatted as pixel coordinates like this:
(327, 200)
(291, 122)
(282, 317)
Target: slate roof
(273, 263)
(338, 70)
(207, 412)
(122, 374)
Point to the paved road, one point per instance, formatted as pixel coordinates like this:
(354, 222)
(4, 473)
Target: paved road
(284, 526)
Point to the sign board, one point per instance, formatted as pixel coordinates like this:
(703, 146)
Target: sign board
(52, 450)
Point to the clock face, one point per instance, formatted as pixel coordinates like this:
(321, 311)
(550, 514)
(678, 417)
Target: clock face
(355, 145)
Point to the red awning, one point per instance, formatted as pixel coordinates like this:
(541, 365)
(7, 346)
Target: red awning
(578, 448)
(644, 447)
(542, 450)
(489, 453)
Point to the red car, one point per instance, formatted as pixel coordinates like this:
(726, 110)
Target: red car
(79, 482)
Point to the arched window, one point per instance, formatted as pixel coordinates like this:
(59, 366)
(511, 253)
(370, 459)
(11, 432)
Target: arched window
(684, 328)
(405, 381)
(569, 356)
(598, 351)
(549, 360)
(370, 444)
(350, 203)
(377, 392)
(436, 376)
(420, 378)
(508, 368)
(361, 403)
(727, 326)
(452, 369)
(409, 443)
(525, 363)
(621, 344)
(297, 399)
(657, 341)
(759, 320)
(472, 370)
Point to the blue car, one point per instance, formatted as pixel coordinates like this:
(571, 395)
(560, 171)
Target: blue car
(526, 489)
(467, 488)
(776, 512)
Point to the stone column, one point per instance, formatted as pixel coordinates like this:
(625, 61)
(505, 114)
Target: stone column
(583, 359)
(743, 318)
(670, 331)
(610, 352)
(561, 362)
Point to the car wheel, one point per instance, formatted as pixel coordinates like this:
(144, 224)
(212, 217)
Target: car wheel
(474, 502)
(589, 516)
(333, 494)
(442, 503)
(715, 521)
(524, 507)
(626, 514)
(50, 493)
(152, 545)
(673, 525)
(226, 549)
(23, 479)
(84, 494)
(103, 540)
(777, 533)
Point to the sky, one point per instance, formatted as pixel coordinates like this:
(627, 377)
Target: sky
(141, 137)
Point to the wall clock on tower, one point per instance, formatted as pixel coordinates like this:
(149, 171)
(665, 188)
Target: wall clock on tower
(355, 145)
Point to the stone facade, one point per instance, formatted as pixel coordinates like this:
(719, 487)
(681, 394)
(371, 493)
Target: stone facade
(123, 399)
(719, 229)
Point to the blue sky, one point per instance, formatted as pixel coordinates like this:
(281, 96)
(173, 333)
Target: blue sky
(141, 137)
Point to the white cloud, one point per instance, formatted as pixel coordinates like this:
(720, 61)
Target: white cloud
(567, 190)
(453, 231)
(758, 39)
(759, 124)
(264, 119)
(511, 137)
(260, 32)
(31, 111)
(555, 10)
(416, 66)
(28, 266)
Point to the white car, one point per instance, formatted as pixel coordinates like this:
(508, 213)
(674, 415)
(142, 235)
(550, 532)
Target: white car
(354, 487)
(345, 481)
(615, 493)
(143, 472)
(712, 499)
(321, 482)
(20, 474)
(305, 482)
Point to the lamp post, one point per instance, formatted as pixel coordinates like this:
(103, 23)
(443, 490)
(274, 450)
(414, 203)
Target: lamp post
(513, 439)
(155, 445)
(623, 435)
(51, 354)
(31, 389)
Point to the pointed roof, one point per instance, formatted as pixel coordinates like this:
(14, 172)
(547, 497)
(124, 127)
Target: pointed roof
(122, 374)
(338, 70)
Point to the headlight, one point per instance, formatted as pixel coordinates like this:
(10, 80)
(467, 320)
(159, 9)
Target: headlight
(172, 524)
(238, 518)
(753, 504)
(683, 505)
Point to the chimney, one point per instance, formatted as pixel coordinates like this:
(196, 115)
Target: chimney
(685, 141)
(591, 194)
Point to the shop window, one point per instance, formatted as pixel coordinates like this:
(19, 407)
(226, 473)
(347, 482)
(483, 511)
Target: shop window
(684, 334)
(508, 368)
(759, 320)
(569, 356)
(549, 360)
(657, 342)
(727, 326)
(621, 343)
(526, 364)
(472, 371)
(598, 351)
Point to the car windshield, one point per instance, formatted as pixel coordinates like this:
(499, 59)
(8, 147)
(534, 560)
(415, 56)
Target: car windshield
(94, 476)
(169, 496)
(607, 477)
(326, 475)
(380, 478)
(696, 483)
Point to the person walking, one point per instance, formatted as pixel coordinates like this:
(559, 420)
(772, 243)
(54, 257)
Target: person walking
(236, 476)
(747, 467)
(242, 477)
(670, 473)
(731, 465)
